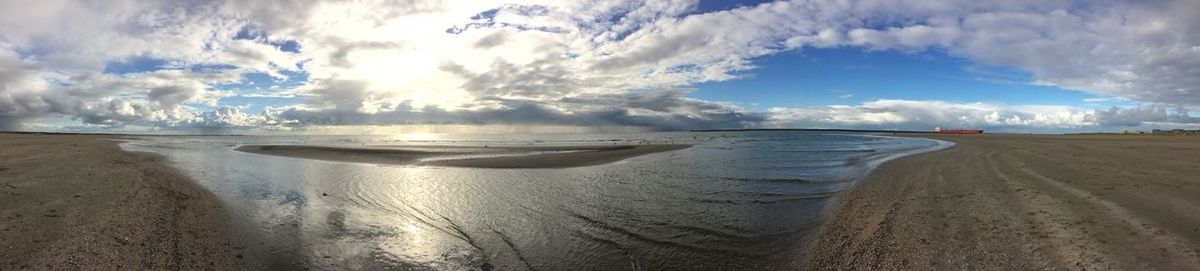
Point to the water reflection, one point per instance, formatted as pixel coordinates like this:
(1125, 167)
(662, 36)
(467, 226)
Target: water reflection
(735, 201)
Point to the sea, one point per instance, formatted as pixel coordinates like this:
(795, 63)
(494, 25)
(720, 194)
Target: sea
(733, 201)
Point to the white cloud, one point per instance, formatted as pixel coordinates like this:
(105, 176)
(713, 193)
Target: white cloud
(1146, 51)
(925, 114)
(586, 62)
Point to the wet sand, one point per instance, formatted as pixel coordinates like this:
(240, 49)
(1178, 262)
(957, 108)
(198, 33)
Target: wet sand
(1023, 202)
(71, 202)
(338, 154)
(514, 157)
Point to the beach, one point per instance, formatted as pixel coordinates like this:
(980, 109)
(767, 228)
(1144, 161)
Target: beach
(1023, 202)
(991, 202)
(70, 202)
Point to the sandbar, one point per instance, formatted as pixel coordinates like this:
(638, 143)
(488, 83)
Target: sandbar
(469, 156)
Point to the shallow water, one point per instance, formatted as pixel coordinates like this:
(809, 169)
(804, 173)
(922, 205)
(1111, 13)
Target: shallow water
(735, 200)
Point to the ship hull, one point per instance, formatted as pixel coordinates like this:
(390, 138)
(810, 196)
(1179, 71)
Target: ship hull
(959, 132)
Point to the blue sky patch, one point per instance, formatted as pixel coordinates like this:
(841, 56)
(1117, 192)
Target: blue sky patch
(247, 33)
(135, 65)
(707, 6)
(851, 76)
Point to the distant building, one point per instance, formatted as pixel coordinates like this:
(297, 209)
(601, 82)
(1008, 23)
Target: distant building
(1176, 132)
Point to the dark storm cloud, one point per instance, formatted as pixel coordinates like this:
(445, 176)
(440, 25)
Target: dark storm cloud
(662, 111)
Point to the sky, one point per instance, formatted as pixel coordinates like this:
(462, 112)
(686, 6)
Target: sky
(305, 66)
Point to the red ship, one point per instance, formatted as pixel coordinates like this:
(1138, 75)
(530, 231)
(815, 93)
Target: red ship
(939, 130)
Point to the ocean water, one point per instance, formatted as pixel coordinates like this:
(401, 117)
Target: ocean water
(736, 200)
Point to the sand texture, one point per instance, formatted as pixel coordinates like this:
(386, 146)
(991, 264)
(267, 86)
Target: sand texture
(501, 157)
(1024, 202)
(71, 202)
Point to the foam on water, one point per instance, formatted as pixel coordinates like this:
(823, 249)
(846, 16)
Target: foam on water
(736, 200)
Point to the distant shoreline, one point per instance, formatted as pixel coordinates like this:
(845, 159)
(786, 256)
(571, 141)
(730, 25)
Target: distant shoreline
(812, 130)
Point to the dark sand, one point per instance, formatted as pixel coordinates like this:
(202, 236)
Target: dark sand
(1023, 202)
(337, 154)
(577, 157)
(71, 202)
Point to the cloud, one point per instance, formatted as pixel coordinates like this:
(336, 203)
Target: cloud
(659, 110)
(227, 117)
(1116, 116)
(53, 55)
(925, 114)
(1141, 50)
(586, 62)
